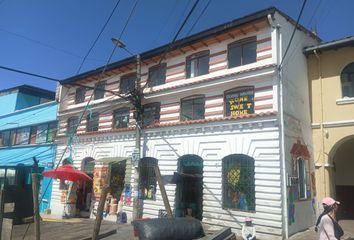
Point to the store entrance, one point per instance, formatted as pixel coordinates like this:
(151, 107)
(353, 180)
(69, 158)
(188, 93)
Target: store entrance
(189, 196)
(84, 189)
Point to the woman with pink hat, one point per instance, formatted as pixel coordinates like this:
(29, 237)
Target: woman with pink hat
(329, 228)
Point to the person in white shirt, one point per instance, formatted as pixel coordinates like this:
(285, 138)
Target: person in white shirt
(248, 230)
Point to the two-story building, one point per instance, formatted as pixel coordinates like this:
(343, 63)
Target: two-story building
(219, 114)
(27, 130)
(331, 79)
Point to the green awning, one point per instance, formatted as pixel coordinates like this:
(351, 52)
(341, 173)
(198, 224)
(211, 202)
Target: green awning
(110, 160)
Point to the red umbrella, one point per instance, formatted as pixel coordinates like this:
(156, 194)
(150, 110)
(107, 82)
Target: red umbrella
(67, 172)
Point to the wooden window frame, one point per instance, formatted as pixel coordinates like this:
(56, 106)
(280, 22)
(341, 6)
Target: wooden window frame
(199, 96)
(196, 56)
(114, 117)
(162, 66)
(241, 43)
(69, 127)
(125, 78)
(100, 88)
(350, 74)
(158, 104)
(94, 115)
(79, 90)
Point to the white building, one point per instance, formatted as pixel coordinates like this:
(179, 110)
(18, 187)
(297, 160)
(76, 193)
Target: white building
(218, 108)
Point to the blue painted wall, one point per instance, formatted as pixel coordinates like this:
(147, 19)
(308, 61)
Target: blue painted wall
(22, 110)
(8, 103)
(26, 100)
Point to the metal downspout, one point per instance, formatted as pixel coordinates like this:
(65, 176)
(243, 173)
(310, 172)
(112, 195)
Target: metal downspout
(285, 229)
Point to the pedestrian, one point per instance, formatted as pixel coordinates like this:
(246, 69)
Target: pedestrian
(248, 230)
(329, 229)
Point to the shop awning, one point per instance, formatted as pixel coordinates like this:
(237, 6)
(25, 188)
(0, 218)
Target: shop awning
(110, 160)
(24, 155)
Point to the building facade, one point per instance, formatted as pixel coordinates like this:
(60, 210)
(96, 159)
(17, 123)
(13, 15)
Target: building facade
(331, 78)
(218, 114)
(27, 130)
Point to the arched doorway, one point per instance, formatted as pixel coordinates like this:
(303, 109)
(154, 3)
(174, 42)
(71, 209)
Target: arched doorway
(84, 189)
(189, 194)
(343, 161)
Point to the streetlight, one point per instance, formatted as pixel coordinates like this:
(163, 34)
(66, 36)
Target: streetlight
(135, 100)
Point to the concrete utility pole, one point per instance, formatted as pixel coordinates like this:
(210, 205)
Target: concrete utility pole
(137, 202)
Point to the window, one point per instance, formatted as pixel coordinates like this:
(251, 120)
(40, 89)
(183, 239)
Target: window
(73, 122)
(41, 135)
(80, 95)
(121, 118)
(22, 136)
(127, 83)
(242, 52)
(347, 80)
(238, 184)
(192, 108)
(157, 75)
(92, 122)
(198, 64)
(239, 101)
(100, 89)
(151, 114)
(52, 130)
(6, 137)
(302, 177)
(147, 176)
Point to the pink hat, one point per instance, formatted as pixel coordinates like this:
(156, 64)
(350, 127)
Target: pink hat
(247, 219)
(329, 201)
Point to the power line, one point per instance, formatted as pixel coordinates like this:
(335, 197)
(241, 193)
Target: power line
(29, 74)
(98, 36)
(47, 45)
(292, 35)
(198, 18)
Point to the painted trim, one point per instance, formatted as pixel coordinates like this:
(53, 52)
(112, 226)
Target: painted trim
(343, 101)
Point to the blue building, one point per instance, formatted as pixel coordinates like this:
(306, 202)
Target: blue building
(27, 129)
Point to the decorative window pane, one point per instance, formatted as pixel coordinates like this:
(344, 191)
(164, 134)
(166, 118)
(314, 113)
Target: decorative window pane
(151, 114)
(192, 108)
(72, 125)
(80, 95)
(121, 118)
(302, 177)
(238, 182)
(127, 83)
(147, 178)
(100, 89)
(157, 75)
(22, 136)
(51, 132)
(242, 52)
(92, 122)
(198, 64)
(42, 131)
(347, 80)
(239, 101)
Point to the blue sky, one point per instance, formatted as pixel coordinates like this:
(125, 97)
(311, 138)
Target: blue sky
(51, 37)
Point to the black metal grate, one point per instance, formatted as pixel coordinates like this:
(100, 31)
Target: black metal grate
(147, 176)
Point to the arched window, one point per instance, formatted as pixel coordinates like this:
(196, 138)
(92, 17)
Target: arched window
(347, 80)
(147, 176)
(238, 186)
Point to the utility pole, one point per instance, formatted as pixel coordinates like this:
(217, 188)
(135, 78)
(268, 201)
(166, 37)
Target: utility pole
(136, 100)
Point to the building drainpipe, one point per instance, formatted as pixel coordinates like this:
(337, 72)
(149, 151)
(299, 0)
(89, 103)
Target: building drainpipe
(277, 27)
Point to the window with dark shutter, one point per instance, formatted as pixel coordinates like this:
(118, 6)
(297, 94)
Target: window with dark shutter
(197, 64)
(151, 114)
(157, 75)
(192, 108)
(80, 95)
(72, 125)
(238, 183)
(121, 118)
(100, 89)
(92, 122)
(127, 83)
(242, 52)
(347, 81)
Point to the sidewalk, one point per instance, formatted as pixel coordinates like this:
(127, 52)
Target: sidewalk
(310, 234)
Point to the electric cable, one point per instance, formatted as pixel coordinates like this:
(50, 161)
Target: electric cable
(293, 33)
